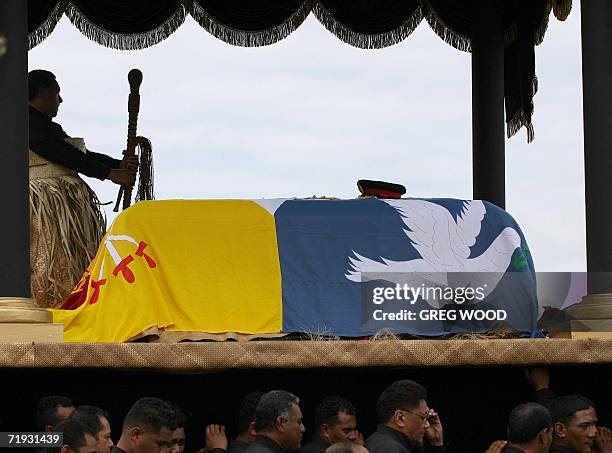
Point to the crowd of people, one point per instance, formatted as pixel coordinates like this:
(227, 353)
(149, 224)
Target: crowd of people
(272, 422)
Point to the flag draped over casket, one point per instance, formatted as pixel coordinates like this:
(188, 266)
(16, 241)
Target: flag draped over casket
(281, 266)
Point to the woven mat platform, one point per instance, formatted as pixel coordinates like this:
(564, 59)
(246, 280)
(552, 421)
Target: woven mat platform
(215, 356)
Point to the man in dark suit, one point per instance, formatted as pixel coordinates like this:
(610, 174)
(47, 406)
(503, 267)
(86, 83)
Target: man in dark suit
(574, 418)
(278, 423)
(77, 438)
(575, 427)
(148, 426)
(52, 410)
(98, 420)
(346, 446)
(246, 423)
(529, 429)
(335, 421)
(405, 422)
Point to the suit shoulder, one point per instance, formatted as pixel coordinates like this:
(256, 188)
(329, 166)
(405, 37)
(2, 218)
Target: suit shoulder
(383, 443)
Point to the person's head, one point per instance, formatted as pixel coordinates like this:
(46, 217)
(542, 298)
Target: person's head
(97, 419)
(246, 416)
(148, 427)
(574, 421)
(77, 438)
(335, 418)
(346, 446)
(177, 444)
(403, 407)
(52, 410)
(278, 416)
(530, 427)
(44, 92)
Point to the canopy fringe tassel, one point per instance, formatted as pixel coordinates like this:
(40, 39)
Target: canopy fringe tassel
(510, 34)
(246, 38)
(519, 120)
(522, 118)
(447, 34)
(561, 8)
(145, 179)
(363, 41)
(46, 28)
(122, 41)
(541, 30)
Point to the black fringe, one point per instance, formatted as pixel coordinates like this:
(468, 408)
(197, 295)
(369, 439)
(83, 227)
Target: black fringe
(145, 173)
(121, 41)
(48, 25)
(510, 34)
(245, 38)
(562, 8)
(521, 118)
(362, 41)
(447, 34)
(541, 30)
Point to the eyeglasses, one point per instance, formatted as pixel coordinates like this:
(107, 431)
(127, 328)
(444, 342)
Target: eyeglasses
(424, 418)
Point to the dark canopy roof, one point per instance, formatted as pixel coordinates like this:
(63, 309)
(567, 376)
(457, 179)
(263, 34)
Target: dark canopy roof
(367, 24)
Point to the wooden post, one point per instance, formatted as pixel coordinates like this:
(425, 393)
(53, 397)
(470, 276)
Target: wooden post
(593, 317)
(489, 178)
(16, 305)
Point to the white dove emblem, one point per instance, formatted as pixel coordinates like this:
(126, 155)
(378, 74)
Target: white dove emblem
(444, 245)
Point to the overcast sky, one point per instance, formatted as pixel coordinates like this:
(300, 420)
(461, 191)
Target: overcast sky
(311, 115)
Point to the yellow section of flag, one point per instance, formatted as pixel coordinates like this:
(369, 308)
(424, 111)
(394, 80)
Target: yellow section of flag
(205, 266)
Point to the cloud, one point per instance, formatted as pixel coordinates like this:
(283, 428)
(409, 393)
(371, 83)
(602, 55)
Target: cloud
(312, 115)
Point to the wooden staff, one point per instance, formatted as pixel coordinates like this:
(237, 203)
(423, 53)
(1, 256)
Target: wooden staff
(135, 79)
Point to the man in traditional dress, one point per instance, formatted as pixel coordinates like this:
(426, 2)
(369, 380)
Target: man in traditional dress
(66, 222)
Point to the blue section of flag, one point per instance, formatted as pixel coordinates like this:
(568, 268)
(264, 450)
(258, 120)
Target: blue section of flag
(316, 238)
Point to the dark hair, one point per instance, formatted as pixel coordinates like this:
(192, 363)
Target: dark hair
(404, 394)
(46, 409)
(92, 410)
(37, 79)
(563, 408)
(151, 414)
(526, 421)
(344, 446)
(272, 405)
(246, 413)
(328, 409)
(179, 415)
(74, 434)
(90, 420)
